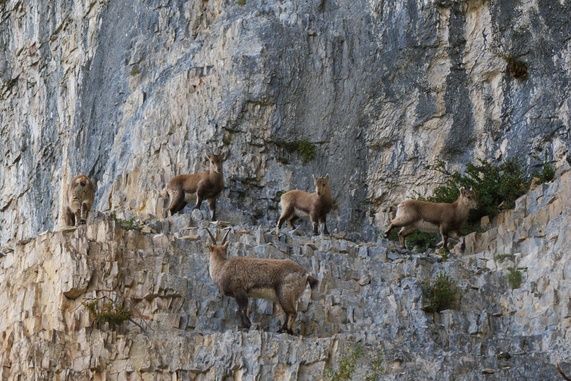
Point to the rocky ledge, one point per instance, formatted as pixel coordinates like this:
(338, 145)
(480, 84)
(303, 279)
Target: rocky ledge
(367, 316)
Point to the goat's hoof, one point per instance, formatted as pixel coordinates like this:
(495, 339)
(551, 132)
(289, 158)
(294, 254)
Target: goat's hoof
(245, 327)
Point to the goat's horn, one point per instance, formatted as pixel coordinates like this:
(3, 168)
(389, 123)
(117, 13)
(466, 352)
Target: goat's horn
(225, 236)
(211, 236)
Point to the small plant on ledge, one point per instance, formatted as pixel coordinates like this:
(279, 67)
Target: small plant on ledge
(125, 224)
(306, 150)
(514, 278)
(516, 67)
(439, 293)
(105, 310)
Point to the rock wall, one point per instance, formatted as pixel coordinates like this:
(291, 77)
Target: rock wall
(133, 94)
(369, 304)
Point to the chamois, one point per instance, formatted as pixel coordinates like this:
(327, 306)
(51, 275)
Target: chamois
(433, 217)
(277, 280)
(79, 198)
(297, 203)
(207, 185)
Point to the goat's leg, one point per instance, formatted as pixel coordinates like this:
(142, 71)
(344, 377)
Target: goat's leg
(285, 215)
(291, 221)
(177, 202)
(288, 304)
(324, 223)
(444, 239)
(315, 221)
(387, 232)
(212, 206)
(199, 199)
(77, 219)
(399, 222)
(69, 217)
(84, 211)
(405, 232)
(242, 300)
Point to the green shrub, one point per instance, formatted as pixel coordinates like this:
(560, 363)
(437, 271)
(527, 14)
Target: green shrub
(349, 362)
(547, 172)
(439, 294)
(514, 278)
(347, 366)
(135, 70)
(104, 310)
(376, 368)
(502, 257)
(303, 147)
(306, 150)
(126, 224)
(494, 185)
(516, 67)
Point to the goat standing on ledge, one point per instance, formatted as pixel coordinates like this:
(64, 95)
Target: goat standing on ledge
(206, 185)
(79, 198)
(297, 203)
(278, 280)
(432, 217)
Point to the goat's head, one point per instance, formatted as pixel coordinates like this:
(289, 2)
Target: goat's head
(468, 198)
(321, 184)
(214, 246)
(216, 161)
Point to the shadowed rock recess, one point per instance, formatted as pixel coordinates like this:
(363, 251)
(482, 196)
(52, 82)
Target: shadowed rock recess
(369, 301)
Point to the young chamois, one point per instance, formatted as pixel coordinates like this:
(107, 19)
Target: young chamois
(297, 203)
(79, 198)
(278, 280)
(206, 185)
(432, 217)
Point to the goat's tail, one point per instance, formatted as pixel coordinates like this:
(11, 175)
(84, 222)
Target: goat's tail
(312, 281)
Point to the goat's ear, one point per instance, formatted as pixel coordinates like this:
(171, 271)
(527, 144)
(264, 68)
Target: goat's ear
(226, 153)
(326, 177)
(225, 246)
(314, 179)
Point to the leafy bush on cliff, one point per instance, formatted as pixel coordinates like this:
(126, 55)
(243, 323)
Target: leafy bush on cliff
(497, 186)
(439, 293)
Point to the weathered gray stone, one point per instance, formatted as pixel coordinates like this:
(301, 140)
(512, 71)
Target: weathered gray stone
(135, 102)
(135, 93)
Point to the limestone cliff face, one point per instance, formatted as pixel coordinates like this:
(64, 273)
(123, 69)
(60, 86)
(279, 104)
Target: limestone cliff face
(369, 304)
(134, 93)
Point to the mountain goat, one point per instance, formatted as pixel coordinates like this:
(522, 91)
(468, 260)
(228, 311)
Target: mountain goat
(297, 203)
(432, 217)
(278, 280)
(206, 185)
(79, 199)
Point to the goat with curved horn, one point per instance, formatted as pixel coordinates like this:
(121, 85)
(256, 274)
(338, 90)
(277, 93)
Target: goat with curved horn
(278, 280)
